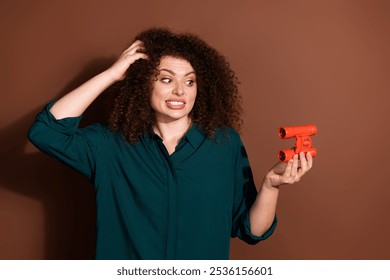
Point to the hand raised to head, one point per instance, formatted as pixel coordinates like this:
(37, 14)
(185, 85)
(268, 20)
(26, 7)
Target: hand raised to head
(128, 57)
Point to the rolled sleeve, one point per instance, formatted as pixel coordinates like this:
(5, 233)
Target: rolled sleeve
(67, 126)
(246, 234)
(245, 195)
(64, 140)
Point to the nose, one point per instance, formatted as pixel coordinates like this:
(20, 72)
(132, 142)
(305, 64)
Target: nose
(178, 89)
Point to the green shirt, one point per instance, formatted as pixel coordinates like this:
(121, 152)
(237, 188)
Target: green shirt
(152, 205)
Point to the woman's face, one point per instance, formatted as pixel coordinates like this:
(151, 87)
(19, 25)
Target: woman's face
(174, 90)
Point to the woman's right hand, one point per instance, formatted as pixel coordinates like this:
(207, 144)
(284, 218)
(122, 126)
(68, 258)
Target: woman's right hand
(128, 57)
(290, 172)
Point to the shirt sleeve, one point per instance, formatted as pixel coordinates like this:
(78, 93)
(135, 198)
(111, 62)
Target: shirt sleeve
(64, 140)
(245, 195)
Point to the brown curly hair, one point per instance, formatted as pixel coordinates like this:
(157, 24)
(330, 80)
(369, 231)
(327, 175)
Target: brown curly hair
(218, 102)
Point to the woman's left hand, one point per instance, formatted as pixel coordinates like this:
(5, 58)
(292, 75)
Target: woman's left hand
(290, 172)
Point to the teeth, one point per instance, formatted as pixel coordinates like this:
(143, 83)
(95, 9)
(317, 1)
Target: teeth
(175, 102)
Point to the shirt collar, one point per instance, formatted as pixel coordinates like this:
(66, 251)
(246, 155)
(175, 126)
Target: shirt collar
(194, 136)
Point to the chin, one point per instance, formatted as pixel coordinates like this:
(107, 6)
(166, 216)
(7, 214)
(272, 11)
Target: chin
(174, 117)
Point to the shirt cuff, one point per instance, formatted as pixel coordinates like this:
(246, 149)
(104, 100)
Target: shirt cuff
(66, 125)
(253, 239)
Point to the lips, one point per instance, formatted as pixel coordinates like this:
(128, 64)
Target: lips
(175, 104)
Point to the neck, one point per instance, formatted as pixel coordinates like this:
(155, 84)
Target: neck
(172, 131)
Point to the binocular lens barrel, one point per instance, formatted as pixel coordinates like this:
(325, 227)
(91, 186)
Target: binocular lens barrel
(282, 133)
(286, 155)
(282, 156)
(286, 132)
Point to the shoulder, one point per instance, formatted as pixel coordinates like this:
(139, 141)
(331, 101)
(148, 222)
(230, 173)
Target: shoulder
(96, 130)
(230, 139)
(97, 134)
(228, 135)
(234, 142)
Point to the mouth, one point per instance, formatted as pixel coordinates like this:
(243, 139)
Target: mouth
(175, 104)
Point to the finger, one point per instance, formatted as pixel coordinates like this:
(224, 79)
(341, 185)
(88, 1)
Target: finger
(303, 163)
(134, 44)
(133, 50)
(131, 57)
(294, 169)
(137, 56)
(309, 158)
(288, 169)
(135, 47)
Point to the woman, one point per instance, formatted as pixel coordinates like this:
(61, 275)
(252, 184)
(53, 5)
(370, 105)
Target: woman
(170, 172)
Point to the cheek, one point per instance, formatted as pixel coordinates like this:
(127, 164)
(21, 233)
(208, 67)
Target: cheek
(156, 95)
(154, 101)
(193, 95)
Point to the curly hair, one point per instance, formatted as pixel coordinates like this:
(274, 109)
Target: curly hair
(218, 102)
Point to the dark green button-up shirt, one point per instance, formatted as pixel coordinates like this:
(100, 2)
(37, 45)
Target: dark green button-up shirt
(152, 205)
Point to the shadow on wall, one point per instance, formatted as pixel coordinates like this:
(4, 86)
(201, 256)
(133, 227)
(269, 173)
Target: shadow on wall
(67, 198)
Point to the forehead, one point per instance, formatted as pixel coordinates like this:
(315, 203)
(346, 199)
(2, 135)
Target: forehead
(175, 64)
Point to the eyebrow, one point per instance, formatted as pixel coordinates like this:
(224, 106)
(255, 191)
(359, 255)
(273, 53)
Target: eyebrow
(173, 73)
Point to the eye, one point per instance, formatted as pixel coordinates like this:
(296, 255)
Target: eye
(166, 80)
(190, 82)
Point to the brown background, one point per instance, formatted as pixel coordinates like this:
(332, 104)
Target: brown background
(322, 62)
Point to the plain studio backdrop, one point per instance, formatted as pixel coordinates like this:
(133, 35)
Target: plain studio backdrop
(299, 62)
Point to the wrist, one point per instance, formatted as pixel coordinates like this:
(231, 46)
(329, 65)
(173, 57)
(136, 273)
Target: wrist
(267, 183)
(111, 76)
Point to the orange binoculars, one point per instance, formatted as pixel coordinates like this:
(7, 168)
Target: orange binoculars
(302, 140)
